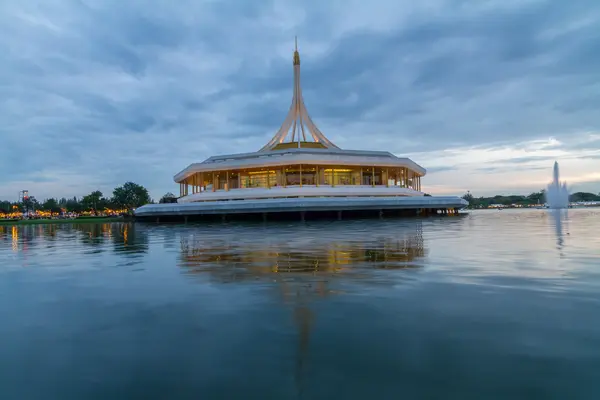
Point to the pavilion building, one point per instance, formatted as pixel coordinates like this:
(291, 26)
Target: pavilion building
(303, 161)
(300, 162)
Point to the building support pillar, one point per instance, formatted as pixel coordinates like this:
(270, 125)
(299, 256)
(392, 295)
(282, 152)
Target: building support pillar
(373, 176)
(332, 177)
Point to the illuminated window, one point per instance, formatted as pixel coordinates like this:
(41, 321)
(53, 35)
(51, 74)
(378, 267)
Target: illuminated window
(256, 179)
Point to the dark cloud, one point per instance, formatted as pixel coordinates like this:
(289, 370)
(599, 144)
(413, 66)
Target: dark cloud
(97, 92)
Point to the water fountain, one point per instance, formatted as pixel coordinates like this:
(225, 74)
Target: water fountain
(557, 194)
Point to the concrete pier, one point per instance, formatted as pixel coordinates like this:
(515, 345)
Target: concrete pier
(305, 208)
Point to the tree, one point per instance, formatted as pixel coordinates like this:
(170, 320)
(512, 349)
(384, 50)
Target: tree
(130, 196)
(168, 198)
(51, 205)
(469, 197)
(93, 202)
(73, 205)
(536, 197)
(583, 196)
(30, 204)
(5, 207)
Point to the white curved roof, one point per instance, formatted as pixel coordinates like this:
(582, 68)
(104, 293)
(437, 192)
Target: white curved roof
(300, 156)
(300, 124)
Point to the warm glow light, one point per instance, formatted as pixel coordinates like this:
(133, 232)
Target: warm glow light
(15, 238)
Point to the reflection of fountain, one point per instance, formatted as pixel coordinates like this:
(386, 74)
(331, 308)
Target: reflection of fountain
(559, 218)
(557, 195)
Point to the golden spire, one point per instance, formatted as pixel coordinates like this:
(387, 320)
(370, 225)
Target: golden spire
(298, 120)
(296, 54)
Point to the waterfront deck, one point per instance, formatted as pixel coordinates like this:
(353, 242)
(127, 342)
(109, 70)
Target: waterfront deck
(409, 205)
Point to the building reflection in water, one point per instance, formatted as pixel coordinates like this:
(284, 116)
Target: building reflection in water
(273, 254)
(305, 263)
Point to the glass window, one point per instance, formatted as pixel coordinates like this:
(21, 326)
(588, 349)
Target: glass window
(340, 176)
(305, 174)
(254, 179)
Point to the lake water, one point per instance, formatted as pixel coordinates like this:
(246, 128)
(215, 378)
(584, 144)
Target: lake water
(493, 304)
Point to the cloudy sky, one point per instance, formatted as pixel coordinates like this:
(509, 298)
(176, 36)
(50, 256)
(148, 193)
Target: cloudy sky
(484, 94)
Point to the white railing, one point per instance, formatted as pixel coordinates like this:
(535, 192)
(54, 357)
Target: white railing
(299, 191)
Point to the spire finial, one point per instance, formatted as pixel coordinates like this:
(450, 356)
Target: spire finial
(296, 54)
(298, 121)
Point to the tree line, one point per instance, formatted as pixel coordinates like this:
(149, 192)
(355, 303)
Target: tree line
(125, 197)
(523, 201)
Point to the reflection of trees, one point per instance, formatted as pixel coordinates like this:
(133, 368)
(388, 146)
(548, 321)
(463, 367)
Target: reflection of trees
(125, 237)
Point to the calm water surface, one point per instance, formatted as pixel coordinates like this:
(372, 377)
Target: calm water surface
(489, 305)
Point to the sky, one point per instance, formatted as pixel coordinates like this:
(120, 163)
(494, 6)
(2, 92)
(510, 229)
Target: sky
(484, 94)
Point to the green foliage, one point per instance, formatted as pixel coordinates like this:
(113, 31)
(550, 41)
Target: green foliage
(131, 195)
(524, 201)
(50, 205)
(168, 198)
(582, 196)
(469, 197)
(30, 204)
(94, 202)
(6, 206)
(71, 205)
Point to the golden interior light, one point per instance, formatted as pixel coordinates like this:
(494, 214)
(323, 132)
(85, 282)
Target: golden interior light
(260, 172)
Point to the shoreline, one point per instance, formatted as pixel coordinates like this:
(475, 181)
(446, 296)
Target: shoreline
(83, 220)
